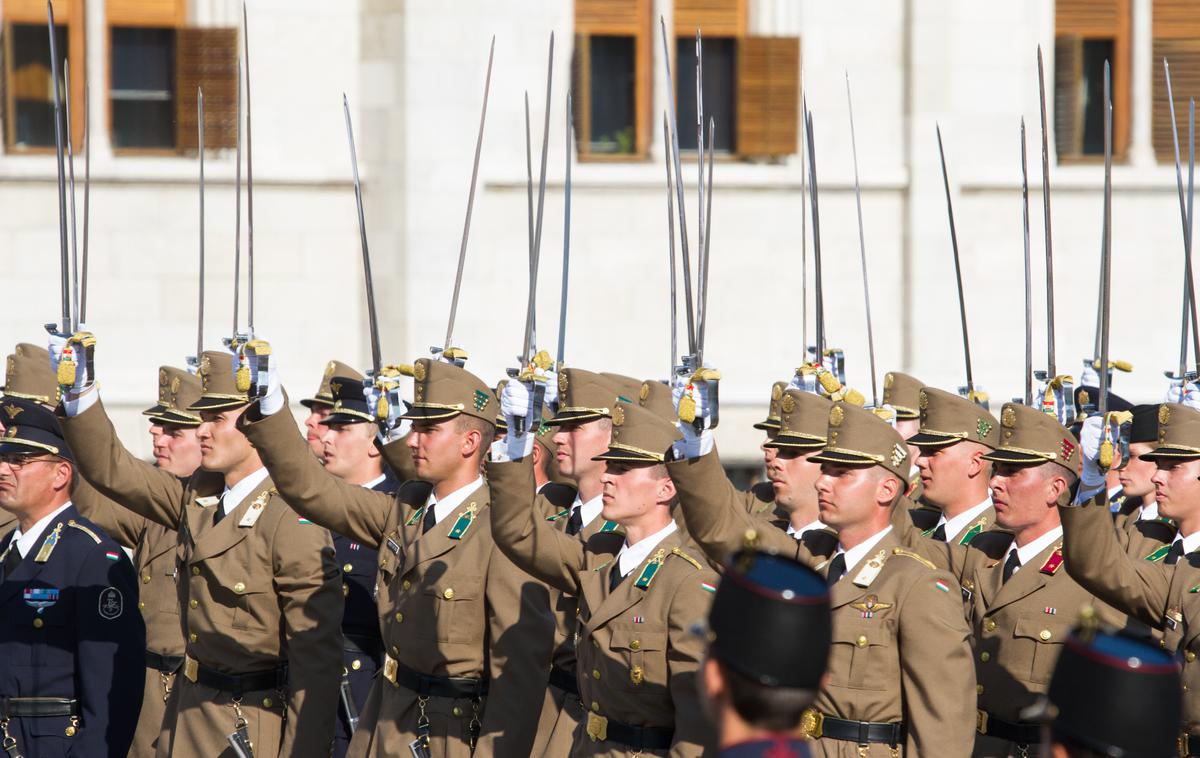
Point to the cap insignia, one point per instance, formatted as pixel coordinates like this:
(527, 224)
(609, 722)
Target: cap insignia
(10, 366)
(836, 414)
(788, 404)
(924, 400)
(899, 453)
(644, 394)
(205, 365)
(542, 428)
(562, 383)
(888, 379)
(162, 377)
(335, 388)
(618, 416)
(12, 432)
(419, 371)
(1008, 418)
(776, 392)
(1164, 414)
(1084, 397)
(330, 368)
(1068, 448)
(13, 410)
(175, 385)
(481, 400)
(982, 428)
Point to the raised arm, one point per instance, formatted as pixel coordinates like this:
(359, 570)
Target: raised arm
(308, 488)
(116, 473)
(524, 535)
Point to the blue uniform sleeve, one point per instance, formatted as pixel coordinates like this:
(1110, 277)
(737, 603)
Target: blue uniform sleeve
(110, 654)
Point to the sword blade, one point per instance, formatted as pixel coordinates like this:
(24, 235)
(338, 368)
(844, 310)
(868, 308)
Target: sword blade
(200, 306)
(566, 262)
(862, 245)
(237, 223)
(1106, 246)
(671, 244)
(700, 226)
(1191, 290)
(71, 197)
(803, 249)
(1184, 214)
(683, 236)
(1051, 369)
(376, 361)
(462, 248)
(704, 257)
(1028, 272)
(530, 347)
(87, 191)
(64, 262)
(249, 182)
(816, 227)
(531, 325)
(962, 304)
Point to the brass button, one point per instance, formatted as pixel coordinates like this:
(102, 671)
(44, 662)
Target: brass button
(405, 584)
(192, 637)
(267, 702)
(595, 707)
(448, 593)
(456, 710)
(1190, 656)
(356, 665)
(985, 656)
(979, 689)
(345, 590)
(635, 645)
(145, 578)
(347, 568)
(38, 623)
(195, 571)
(989, 625)
(399, 617)
(194, 603)
(69, 731)
(595, 673)
(861, 641)
(1044, 635)
(395, 651)
(141, 606)
(239, 588)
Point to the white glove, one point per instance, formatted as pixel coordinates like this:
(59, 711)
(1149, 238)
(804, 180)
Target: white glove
(1188, 394)
(1091, 480)
(682, 387)
(68, 356)
(393, 427)
(694, 444)
(516, 402)
(1090, 377)
(550, 399)
(264, 381)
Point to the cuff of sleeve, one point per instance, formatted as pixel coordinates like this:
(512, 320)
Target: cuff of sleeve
(76, 403)
(273, 403)
(1087, 493)
(693, 446)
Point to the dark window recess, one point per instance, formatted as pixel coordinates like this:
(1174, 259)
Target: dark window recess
(745, 477)
(612, 95)
(720, 56)
(1091, 92)
(29, 80)
(143, 88)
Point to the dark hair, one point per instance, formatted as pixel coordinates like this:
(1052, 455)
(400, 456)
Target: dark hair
(775, 709)
(487, 432)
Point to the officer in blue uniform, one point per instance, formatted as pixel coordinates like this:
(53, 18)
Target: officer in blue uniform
(769, 634)
(348, 451)
(71, 638)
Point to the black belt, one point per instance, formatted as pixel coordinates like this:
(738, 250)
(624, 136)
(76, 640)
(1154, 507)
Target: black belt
(36, 707)
(372, 647)
(168, 664)
(1022, 734)
(236, 684)
(638, 738)
(436, 686)
(564, 680)
(815, 725)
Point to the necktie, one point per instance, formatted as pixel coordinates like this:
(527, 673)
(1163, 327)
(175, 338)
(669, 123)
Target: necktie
(1175, 553)
(1011, 565)
(939, 534)
(575, 523)
(614, 577)
(430, 519)
(219, 512)
(837, 569)
(12, 559)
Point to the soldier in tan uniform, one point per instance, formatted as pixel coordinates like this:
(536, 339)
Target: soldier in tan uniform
(954, 436)
(639, 588)
(1159, 590)
(903, 393)
(467, 634)
(320, 404)
(258, 589)
(1135, 511)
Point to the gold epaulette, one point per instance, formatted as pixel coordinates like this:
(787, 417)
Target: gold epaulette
(76, 525)
(686, 557)
(914, 556)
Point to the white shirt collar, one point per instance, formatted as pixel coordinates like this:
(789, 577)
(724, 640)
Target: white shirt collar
(447, 505)
(631, 556)
(1190, 542)
(233, 496)
(1149, 510)
(590, 510)
(956, 525)
(1114, 492)
(1031, 551)
(810, 527)
(855, 554)
(26, 540)
(374, 482)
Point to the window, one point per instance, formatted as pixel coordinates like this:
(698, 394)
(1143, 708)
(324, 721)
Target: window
(612, 99)
(1088, 33)
(1176, 31)
(612, 75)
(28, 93)
(143, 88)
(719, 57)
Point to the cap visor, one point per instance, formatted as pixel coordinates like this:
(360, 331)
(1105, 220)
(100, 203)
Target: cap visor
(343, 417)
(932, 439)
(424, 413)
(573, 417)
(212, 403)
(625, 456)
(1013, 456)
(19, 445)
(176, 417)
(1167, 451)
(309, 402)
(908, 414)
(843, 458)
(770, 425)
(155, 410)
(795, 442)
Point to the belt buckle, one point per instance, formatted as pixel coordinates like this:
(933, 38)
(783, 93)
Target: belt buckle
(812, 723)
(390, 668)
(191, 668)
(981, 721)
(597, 727)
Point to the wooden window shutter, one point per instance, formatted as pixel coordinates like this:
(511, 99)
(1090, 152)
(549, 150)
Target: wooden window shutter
(581, 104)
(768, 95)
(714, 18)
(206, 58)
(1176, 31)
(1068, 105)
(621, 18)
(609, 16)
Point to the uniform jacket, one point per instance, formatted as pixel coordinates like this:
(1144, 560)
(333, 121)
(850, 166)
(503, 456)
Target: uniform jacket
(255, 592)
(450, 606)
(68, 628)
(636, 655)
